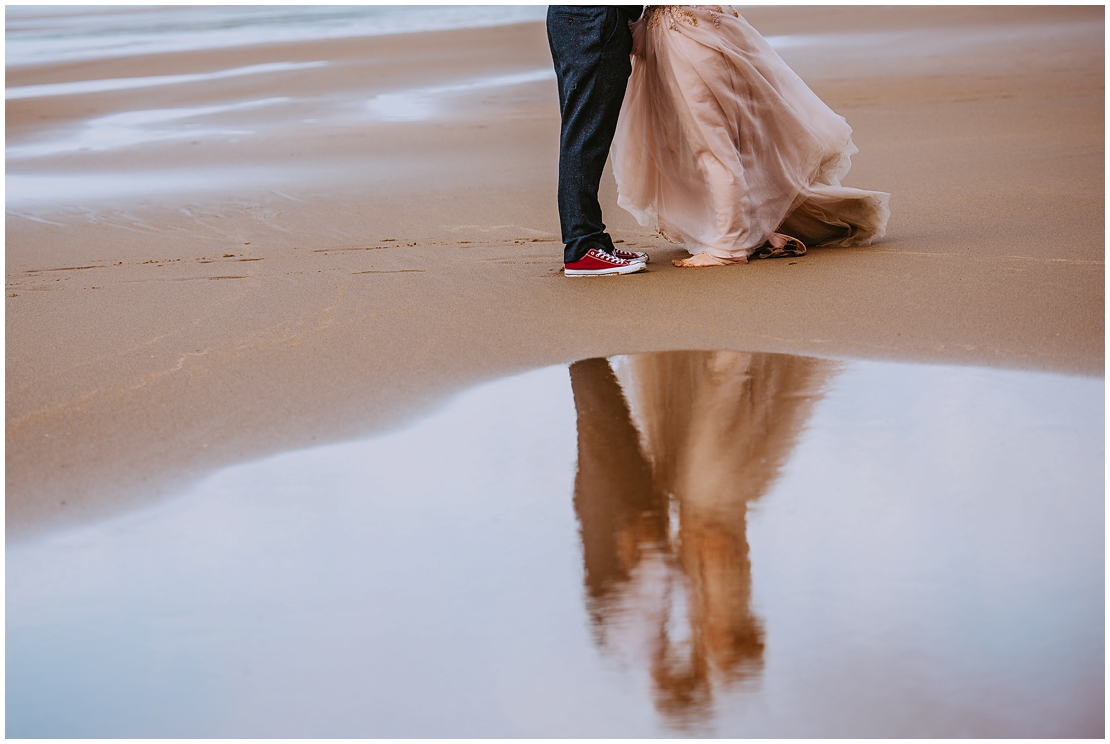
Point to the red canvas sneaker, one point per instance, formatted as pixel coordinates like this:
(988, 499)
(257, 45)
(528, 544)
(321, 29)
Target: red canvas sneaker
(631, 255)
(597, 262)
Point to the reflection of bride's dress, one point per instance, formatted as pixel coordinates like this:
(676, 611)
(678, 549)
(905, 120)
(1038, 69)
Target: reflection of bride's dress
(720, 143)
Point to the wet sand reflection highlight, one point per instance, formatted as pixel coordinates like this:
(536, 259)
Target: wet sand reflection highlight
(668, 463)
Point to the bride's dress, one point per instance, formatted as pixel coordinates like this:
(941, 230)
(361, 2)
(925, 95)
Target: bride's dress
(720, 144)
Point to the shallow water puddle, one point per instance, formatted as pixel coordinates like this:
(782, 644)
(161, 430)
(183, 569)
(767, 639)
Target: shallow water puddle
(681, 543)
(131, 128)
(50, 193)
(421, 104)
(101, 85)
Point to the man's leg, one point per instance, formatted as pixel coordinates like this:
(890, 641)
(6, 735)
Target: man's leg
(590, 47)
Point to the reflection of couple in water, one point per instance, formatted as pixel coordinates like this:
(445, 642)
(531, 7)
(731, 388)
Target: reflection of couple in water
(716, 142)
(672, 447)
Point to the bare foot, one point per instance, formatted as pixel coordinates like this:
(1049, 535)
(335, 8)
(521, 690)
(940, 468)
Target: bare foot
(698, 260)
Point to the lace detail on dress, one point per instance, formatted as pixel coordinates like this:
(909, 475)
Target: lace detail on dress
(716, 11)
(672, 15)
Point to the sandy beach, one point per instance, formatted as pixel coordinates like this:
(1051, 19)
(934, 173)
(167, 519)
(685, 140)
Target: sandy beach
(204, 273)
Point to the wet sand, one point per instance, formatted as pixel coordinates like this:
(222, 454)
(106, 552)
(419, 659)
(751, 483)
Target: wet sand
(301, 268)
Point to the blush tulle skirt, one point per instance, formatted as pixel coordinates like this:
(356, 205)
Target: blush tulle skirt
(720, 144)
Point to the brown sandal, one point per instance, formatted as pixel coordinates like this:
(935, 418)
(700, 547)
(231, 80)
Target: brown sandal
(792, 247)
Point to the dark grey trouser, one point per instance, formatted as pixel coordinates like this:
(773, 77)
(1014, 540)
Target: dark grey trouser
(590, 47)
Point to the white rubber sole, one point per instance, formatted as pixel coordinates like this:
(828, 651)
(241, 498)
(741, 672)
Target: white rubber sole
(615, 271)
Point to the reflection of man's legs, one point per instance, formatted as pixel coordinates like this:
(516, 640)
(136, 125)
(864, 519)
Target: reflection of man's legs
(613, 495)
(590, 47)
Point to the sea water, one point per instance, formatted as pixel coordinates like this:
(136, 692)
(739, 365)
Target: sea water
(37, 35)
(76, 162)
